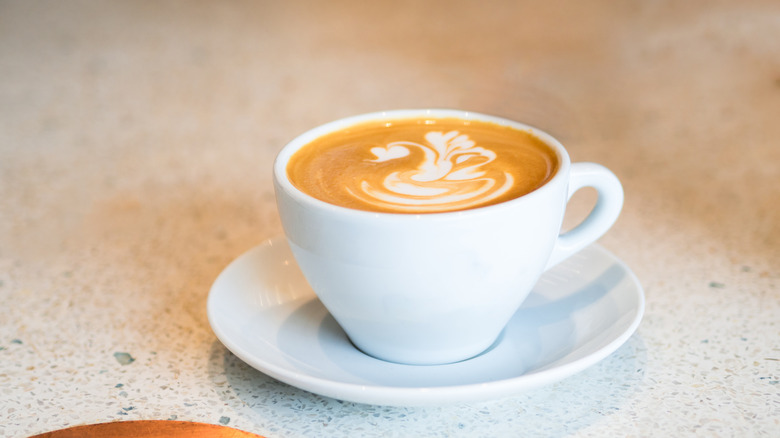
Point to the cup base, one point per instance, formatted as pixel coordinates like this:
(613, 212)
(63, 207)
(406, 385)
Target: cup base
(431, 358)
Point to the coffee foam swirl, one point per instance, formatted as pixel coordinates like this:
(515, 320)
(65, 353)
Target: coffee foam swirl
(451, 175)
(421, 165)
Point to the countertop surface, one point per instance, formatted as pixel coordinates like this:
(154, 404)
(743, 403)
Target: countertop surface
(136, 142)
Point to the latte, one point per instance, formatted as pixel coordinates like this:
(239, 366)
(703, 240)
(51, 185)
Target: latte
(422, 165)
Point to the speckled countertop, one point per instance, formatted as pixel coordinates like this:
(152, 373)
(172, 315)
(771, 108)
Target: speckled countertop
(136, 141)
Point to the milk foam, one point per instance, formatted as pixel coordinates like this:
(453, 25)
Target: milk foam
(450, 176)
(421, 165)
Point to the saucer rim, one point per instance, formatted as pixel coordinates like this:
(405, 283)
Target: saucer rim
(422, 395)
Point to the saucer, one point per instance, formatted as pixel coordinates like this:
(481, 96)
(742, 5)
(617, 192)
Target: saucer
(262, 309)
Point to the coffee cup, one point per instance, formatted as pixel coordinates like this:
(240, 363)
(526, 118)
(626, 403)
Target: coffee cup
(423, 231)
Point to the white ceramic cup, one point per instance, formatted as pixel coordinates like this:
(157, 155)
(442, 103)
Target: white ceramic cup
(436, 288)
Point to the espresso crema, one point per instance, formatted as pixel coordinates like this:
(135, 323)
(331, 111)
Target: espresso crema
(425, 165)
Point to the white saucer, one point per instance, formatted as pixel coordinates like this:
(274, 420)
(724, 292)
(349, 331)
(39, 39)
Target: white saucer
(580, 312)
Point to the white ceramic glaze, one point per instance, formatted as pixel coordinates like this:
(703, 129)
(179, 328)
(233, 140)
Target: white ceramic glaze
(580, 311)
(436, 288)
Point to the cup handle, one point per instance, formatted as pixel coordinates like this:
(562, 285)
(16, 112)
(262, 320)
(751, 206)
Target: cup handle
(600, 219)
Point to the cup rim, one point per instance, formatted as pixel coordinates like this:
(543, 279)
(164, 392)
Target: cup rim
(282, 182)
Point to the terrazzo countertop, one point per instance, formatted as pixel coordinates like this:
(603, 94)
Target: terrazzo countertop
(136, 142)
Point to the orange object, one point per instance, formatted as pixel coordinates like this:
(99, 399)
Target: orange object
(149, 429)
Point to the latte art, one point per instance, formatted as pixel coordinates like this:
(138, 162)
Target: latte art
(422, 166)
(451, 174)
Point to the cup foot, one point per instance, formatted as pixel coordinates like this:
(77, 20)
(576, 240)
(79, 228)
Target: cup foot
(429, 357)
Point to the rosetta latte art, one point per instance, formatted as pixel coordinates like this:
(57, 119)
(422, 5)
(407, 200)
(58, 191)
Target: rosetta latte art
(452, 175)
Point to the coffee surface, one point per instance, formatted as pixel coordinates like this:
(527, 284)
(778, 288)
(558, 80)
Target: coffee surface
(422, 165)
